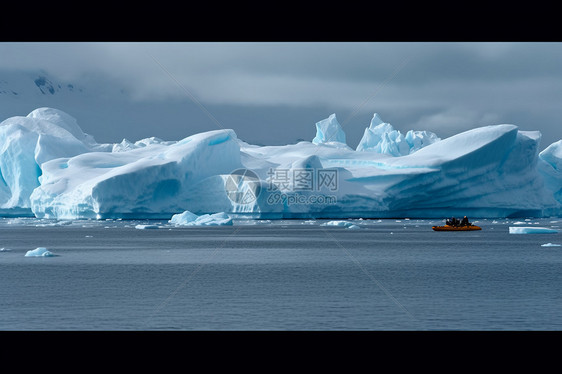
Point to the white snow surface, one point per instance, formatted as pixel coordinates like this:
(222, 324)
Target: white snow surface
(550, 245)
(51, 169)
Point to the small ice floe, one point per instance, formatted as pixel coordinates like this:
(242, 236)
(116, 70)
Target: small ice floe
(88, 236)
(550, 245)
(338, 223)
(146, 227)
(39, 252)
(531, 230)
(353, 227)
(191, 219)
(4, 249)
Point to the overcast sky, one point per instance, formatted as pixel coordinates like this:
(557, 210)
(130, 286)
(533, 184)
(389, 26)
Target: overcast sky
(274, 92)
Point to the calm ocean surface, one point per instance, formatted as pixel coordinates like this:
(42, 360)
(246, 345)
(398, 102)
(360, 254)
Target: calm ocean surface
(279, 275)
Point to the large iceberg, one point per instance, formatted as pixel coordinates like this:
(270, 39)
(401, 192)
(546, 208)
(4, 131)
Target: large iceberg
(50, 169)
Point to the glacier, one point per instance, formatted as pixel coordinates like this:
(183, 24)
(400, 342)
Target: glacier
(49, 168)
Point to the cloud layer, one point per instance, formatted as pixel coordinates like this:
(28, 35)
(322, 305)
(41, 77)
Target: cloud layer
(443, 87)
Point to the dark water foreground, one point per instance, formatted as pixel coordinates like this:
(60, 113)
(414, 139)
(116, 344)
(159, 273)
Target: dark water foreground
(279, 275)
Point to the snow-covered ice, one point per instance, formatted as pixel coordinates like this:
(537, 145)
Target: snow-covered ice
(531, 230)
(550, 245)
(329, 131)
(381, 137)
(51, 169)
(39, 252)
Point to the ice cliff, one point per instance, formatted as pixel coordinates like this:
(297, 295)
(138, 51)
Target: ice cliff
(50, 169)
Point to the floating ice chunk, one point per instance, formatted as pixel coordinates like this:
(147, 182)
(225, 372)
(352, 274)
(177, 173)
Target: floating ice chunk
(353, 227)
(338, 223)
(532, 230)
(550, 245)
(5, 249)
(190, 219)
(39, 252)
(217, 219)
(145, 227)
(183, 218)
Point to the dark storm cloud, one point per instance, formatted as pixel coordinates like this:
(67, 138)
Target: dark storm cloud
(444, 87)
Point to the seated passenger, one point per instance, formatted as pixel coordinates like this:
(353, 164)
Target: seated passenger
(465, 222)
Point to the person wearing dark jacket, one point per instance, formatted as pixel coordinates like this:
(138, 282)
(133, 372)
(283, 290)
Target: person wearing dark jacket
(465, 222)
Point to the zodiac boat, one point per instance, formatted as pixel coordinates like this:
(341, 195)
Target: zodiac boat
(456, 228)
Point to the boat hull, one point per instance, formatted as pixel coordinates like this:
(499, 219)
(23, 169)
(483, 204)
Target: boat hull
(456, 228)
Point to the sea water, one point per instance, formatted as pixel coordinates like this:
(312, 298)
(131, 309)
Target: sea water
(392, 274)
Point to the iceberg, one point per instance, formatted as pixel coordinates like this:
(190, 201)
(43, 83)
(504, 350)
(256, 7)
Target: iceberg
(189, 219)
(146, 227)
(550, 166)
(338, 223)
(329, 131)
(381, 137)
(39, 252)
(49, 168)
(532, 230)
(26, 143)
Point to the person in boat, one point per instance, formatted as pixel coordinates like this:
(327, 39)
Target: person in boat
(465, 222)
(452, 222)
